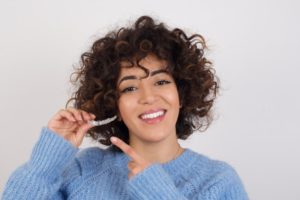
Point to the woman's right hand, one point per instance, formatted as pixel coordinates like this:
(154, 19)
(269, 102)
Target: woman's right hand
(71, 124)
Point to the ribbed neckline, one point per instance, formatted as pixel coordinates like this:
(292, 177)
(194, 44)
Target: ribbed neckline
(181, 163)
(173, 167)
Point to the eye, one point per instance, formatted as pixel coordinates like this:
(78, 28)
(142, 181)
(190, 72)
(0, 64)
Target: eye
(128, 89)
(162, 82)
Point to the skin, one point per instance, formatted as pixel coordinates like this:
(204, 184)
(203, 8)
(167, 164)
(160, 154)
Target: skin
(72, 124)
(148, 143)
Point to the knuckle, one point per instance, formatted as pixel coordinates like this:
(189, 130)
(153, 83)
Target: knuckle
(136, 170)
(130, 165)
(61, 110)
(85, 114)
(69, 108)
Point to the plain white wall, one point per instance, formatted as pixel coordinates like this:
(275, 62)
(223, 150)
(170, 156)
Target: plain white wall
(254, 45)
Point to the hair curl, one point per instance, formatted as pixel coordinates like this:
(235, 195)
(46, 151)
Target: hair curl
(99, 69)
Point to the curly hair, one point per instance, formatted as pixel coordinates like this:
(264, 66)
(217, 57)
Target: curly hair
(96, 76)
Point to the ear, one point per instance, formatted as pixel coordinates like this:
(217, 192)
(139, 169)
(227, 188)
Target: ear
(119, 117)
(180, 101)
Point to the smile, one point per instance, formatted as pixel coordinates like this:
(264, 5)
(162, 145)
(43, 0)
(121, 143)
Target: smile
(153, 117)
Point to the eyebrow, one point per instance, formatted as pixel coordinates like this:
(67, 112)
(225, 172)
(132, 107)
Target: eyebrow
(153, 73)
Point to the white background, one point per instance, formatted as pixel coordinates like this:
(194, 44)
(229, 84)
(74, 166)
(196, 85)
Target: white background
(255, 49)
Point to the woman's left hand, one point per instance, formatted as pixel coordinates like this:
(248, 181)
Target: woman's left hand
(137, 164)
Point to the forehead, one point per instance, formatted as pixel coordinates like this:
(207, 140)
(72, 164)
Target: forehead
(150, 62)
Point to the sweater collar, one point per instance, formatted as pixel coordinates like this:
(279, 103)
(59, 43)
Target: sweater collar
(180, 164)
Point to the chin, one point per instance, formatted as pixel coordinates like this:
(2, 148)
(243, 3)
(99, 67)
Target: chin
(154, 137)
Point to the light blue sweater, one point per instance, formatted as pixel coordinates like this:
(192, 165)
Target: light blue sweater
(56, 170)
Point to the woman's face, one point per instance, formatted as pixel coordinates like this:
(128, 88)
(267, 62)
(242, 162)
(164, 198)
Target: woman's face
(148, 106)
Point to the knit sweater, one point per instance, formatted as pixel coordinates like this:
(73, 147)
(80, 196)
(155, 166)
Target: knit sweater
(58, 170)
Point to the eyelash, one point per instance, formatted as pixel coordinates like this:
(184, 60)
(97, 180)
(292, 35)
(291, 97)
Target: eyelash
(160, 83)
(163, 81)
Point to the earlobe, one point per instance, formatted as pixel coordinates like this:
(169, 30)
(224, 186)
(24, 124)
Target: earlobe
(119, 117)
(180, 104)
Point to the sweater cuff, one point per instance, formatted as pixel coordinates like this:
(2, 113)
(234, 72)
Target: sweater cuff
(51, 154)
(153, 183)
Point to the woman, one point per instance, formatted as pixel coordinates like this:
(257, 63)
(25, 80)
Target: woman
(161, 88)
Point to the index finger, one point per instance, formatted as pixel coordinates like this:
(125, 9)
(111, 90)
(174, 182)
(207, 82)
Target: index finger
(125, 148)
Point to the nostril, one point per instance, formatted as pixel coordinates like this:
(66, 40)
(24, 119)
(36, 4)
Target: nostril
(148, 99)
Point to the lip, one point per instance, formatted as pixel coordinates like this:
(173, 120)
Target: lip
(154, 120)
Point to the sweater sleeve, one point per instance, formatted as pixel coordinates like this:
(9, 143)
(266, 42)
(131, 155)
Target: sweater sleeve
(40, 178)
(153, 183)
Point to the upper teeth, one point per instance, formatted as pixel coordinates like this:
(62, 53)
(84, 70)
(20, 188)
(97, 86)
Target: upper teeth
(152, 115)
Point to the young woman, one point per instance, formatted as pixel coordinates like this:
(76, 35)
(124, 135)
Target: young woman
(161, 88)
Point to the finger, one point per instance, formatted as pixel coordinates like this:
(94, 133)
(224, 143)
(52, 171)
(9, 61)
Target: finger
(125, 148)
(76, 113)
(86, 116)
(92, 116)
(64, 114)
(81, 132)
(131, 165)
(83, 129)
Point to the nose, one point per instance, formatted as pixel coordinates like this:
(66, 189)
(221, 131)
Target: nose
(148, 94)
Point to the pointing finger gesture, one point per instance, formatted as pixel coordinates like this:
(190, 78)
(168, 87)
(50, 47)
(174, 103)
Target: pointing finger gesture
(137, 164)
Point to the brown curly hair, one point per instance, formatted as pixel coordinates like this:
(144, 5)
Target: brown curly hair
(96, 77)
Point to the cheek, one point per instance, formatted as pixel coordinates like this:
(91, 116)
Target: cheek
(173, 97)
(126, 111)
(125, 107)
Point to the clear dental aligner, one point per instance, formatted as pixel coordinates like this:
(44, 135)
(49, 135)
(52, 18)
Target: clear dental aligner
(102, 122)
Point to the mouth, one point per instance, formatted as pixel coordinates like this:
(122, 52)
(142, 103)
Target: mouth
(153, 116)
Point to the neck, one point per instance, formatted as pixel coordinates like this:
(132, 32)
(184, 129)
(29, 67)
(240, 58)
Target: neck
(157, 152)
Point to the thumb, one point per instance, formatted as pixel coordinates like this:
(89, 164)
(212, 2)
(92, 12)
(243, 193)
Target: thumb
(81, 133)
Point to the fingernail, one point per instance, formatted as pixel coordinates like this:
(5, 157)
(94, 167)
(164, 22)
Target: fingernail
(113, 139)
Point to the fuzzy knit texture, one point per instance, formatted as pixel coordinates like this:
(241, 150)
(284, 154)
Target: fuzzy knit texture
(58, 170)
